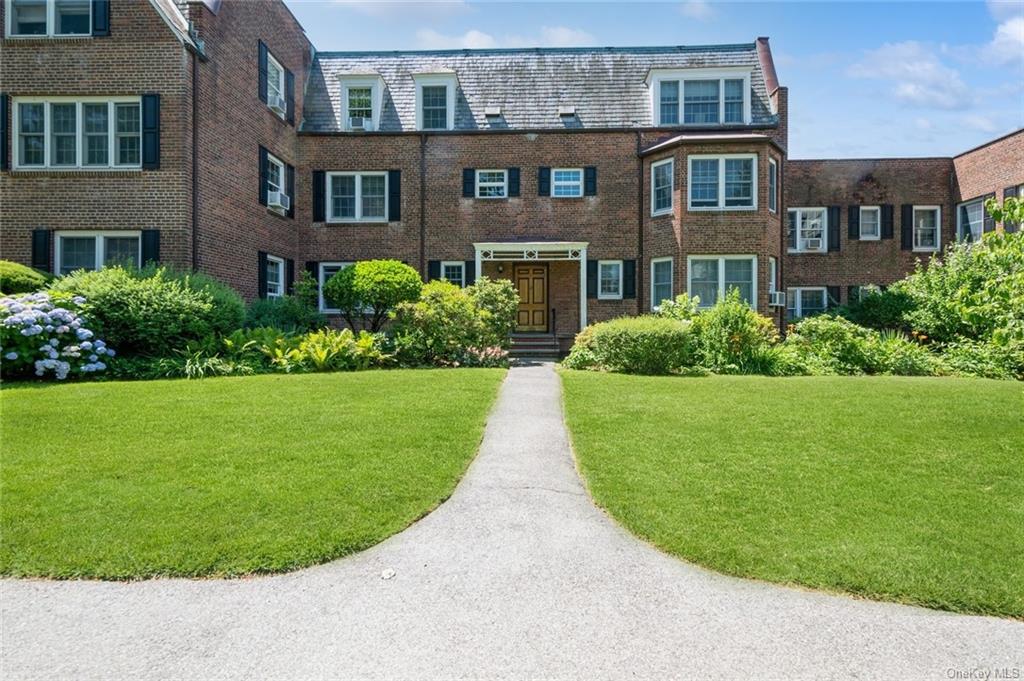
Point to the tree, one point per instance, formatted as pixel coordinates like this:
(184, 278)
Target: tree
(367, 290)
(1011, 211)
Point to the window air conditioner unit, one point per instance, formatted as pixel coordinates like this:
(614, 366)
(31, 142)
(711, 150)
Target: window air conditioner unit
(360, 123)
(278, 104)
(777, 298)
(812, 244)
(279, 201)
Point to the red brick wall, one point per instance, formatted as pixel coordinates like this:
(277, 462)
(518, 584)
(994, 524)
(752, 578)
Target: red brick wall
(141, 55)
(233, 225)
(920, 181)
(990, 168)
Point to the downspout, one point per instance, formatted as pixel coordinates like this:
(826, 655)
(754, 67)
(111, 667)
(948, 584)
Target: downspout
(195, 161)
(640, 226)
(423, 208)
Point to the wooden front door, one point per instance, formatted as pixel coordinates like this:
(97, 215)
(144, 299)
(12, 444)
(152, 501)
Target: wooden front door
(532, 285)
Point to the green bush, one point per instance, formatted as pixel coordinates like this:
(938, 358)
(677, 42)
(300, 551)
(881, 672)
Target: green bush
(833, 345)
(16, 278)
(985, 359)
(368, 290)
(289, 313)
(444, 327)
(638, 345)
(683, 307)
(731, 337)
(881, 310)
(228, 309)
(894, 353)
(326, 350)
(497, 304)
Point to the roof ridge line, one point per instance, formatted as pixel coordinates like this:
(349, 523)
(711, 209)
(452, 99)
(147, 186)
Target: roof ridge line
(539, 50)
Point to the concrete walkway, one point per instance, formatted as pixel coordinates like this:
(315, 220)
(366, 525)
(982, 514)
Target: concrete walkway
(518, 575)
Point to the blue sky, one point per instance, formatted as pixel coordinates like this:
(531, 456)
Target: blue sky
(865, 78)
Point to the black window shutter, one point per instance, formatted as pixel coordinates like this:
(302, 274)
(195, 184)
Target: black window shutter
(150, 246)
(629, 278)
(41, 249)
(833, 295)
(100, 18)
(470, 272)
(513, 181)
(261, 273)
(468, 183)
(263, 71)
(264, 171)
(151, 132)
(1009, 192)
(313, 268)
(433, 270)
(290, 188)
(319, 196)
(989, 225)
(394, 195)
(887, 219)
(591, 279)
(543, 181)
(833, 227)
(289, 267)
(907, 227)
(289, 95)
(590, 181)
(5, 124)
(852, 294)
(853, 223)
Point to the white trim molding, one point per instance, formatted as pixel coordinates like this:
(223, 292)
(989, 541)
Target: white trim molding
(446, 80)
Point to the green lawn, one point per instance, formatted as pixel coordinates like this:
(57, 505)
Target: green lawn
(228, 476)
(904, 489)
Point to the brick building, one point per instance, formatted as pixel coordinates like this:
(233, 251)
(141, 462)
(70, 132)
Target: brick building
(210, 134)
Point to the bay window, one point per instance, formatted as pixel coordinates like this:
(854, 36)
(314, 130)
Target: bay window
(773, 185)
(357, 197)
(77, 250)
(807, 230)
(662, 174)
(67, 133)
(711, 277)
(724, 182)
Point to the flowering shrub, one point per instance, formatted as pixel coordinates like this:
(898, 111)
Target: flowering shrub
(41, 334)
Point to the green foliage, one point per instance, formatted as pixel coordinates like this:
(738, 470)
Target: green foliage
(497, 304)
(1011, 210)
(731, 337)
(332, 350)
(147, 315)
(369, 289)
(638, 345)
(228, 307)
(833, 345)
(683, 307)
(881, 309)
(16, 278)
(448, 327)
(892, 352)
(289, 313)
(307, 290)
(985, 359)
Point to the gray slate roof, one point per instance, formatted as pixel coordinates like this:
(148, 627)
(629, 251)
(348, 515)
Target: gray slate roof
(606, 85)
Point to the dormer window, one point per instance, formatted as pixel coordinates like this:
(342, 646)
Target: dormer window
(435, 101)
(361, 97)
(702, 97)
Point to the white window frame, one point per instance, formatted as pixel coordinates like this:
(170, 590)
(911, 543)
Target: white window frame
(322, 279)
(655, 211)
(436, 80)
(281, 284)
(773, 274)
(860, 223)
(721, 274)
(279, 85)
(275, 161)
(655, 302)
(100, 237)
(503, 184)
(376, 86)
(51, 23)
(721, 158)
(773, 186)
(938, 229)
(358, 174)
(577, 184)
(112, 136)
(799, 219)
(609, 296)
(461, 264)
(721, 74)
(798, 298)
(959, 217)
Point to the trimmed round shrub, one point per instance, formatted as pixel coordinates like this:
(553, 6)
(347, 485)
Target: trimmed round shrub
(153, 312)
(640, 345)
(16, 278)
(369, 289)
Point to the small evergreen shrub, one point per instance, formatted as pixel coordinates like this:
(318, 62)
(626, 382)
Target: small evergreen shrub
(638, 345)
(368, 290)
(16, 278)
(731, 337)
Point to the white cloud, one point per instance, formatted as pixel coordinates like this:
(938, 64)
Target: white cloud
(980, 123)
(697, 9)
(550, 36)
(1007, 46)
(917, 76)
(403, 9)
